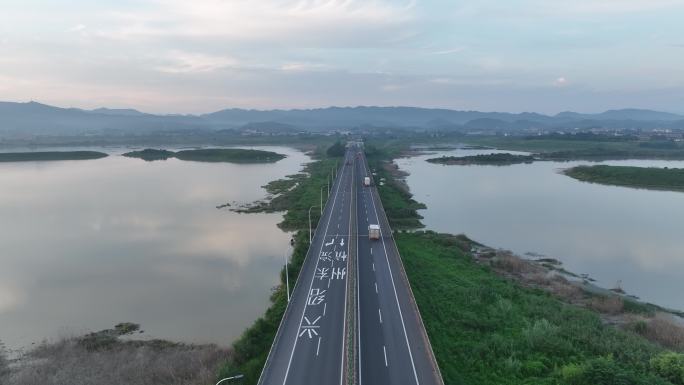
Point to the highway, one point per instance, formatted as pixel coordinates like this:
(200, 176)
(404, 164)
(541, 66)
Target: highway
(309, 346)
(390, 344)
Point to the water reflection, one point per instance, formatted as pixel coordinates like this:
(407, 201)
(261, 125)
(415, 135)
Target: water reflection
(612, 233)
(86, 244)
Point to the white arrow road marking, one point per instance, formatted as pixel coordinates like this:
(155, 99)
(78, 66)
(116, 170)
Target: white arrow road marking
(331, 242)
(342, 242)
(310, 327)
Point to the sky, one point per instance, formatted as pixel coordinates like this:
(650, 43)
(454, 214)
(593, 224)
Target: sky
(181, 56)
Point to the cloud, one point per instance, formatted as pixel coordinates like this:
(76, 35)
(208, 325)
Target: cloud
(449, 51)
(560, 82)
(595, 7)
(304, 66)
(272, 21)
(77, 28)
(188, 62)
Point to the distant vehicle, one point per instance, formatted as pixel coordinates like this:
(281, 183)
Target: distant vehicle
(366, 181)
(373, 231)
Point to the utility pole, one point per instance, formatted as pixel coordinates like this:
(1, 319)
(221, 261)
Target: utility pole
(322, 187)
(310, 223)
(287, 280)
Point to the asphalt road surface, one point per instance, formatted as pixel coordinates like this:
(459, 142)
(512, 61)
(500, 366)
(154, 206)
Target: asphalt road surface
(393, 347)
(309, 346)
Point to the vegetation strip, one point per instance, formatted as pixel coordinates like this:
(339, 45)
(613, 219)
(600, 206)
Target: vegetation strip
(485, 159)
(50, 156)
(232, 155)
(671, 179)
(585, 147)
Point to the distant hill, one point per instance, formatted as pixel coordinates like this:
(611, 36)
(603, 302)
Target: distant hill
(27, 119)
(624, 114)
(118, 111)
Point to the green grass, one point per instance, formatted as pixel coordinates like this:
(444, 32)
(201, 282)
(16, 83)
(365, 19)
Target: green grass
(50, 156)
(232, 155)
(487, 330)
(640, 177)
(401, 208)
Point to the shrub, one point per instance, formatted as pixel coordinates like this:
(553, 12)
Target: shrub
(669, 365)
(571, 371)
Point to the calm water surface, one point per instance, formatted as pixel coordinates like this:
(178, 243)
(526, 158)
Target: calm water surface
(612, 233)
(87, 244)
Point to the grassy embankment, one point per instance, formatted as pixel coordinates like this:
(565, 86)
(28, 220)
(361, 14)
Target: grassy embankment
(553, 147)
(640, 177)
(295, 195)
(487, 328)
(50, 155)
(502, 159)
(232, 155)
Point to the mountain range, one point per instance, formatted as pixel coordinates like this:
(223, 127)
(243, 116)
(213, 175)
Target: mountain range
(34, 118)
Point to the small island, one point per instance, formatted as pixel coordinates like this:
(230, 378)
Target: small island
(671, 179)
(232, 155)
(501, 159)
(38, 156)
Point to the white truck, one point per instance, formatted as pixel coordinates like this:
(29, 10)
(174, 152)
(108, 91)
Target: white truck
(366, 181)
(373, 232)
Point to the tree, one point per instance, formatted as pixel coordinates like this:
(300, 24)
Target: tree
(336, 150)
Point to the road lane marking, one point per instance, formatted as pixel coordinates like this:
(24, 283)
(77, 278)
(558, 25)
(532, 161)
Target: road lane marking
(396, 296)
(325, 305)
(384, 352)
(318, 347)
(325, 234)
(380, 315)
(310, 327)
(376, 292)
(371, 251)
(374, 266)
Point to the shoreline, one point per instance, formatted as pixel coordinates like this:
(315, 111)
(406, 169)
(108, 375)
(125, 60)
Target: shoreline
(587, 282)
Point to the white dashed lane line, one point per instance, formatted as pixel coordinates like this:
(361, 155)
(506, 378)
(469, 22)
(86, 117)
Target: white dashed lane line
(384, 351)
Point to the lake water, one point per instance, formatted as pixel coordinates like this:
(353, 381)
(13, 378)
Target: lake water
(87, 244)
(612, 233)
